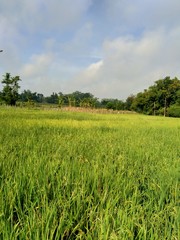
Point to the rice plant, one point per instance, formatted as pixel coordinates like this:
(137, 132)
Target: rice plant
(68, 175)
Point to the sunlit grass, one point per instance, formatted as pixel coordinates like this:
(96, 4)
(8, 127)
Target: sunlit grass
(75, 175)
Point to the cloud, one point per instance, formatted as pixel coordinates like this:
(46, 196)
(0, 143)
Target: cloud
(110, 48)
(46, 72)
(129, 64)
(39, 64)
(35, 73)
(78, 45)
(29, 28)
(145, 15)
(37, 15)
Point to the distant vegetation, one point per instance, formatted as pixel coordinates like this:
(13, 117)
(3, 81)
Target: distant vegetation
(162, 98)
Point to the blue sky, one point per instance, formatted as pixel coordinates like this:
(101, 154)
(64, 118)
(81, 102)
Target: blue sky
(111, 48)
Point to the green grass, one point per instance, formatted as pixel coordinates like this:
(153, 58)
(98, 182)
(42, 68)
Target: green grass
(88, 176)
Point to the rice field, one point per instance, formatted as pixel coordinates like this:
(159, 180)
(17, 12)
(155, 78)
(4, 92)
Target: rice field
(69, 175)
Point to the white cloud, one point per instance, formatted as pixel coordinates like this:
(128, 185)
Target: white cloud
(29, 28)
(130, 65)
(89, 76)
(46, 72)
(78, 45)
(38, 15)
(144, 14)
(35, 73)
(110, 48)
(38, 65)
(65, 12)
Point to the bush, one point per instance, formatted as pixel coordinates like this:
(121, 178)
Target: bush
(174, 111)
(160, 111)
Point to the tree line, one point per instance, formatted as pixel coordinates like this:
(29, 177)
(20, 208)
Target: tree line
(162, 98)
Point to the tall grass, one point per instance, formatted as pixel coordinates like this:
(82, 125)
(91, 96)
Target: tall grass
(74, 175)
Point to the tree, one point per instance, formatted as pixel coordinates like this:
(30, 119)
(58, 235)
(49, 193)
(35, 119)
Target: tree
(10, 90)
(31, 97)
(174, 111)
(60, 100)
(167, 89)
(81, 98)
(53, 99)
(157, 99)
(129, 101)
(113, 104)
(0, 97)
(178, 97)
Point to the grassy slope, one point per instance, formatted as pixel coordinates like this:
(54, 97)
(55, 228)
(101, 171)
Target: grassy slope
(70, 175)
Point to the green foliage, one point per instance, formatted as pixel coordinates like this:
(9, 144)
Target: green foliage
(178, 97)
(75, 99)
(60, 101)
(84, 176)
(10, 90)
(113, 104)
(82, 98)
(1, 98)
(53, 98)
(174, 111)
(79, 99)
(158, 98)
(27, 96)
(129, 101)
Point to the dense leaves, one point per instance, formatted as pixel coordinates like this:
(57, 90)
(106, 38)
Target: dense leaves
(162, 98)
(10, 91)
(159, 98)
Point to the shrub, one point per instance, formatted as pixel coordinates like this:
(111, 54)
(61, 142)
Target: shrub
(174, 111)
